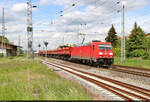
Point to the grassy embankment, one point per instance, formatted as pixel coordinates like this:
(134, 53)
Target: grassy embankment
(134, 62)
(42, 84)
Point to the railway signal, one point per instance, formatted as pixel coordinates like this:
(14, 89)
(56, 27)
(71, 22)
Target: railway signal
(46, 43)
(39, 47)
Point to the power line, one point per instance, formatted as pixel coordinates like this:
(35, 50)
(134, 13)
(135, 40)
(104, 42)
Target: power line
(112, 11)
(99, 6)
(110, 8)
(86, 4)
(73, 5)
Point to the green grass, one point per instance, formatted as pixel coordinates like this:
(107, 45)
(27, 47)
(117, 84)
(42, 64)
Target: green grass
(134, 62)
(43, 84)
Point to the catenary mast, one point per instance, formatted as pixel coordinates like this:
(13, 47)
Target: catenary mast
(29, 29)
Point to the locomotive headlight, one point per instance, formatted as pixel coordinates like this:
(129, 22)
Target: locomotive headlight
(100, 53)
(110, 53)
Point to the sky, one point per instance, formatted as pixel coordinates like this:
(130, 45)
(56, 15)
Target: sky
(91, 17)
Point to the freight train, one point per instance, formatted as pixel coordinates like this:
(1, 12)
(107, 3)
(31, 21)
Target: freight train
(96, 53)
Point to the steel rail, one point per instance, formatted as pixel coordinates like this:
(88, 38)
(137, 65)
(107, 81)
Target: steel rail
(142, 74)
(130, 67)
(132, 72)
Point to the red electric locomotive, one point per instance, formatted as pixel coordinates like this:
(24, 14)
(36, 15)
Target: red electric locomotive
(99, 53)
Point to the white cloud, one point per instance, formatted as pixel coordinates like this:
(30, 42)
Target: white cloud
(19, 7)
(133, 4)
(45, 2)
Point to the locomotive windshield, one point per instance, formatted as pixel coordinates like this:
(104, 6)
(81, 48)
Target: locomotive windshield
(105, 47)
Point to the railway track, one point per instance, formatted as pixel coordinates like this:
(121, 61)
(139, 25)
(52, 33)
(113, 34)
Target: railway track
(129, 67)
(132, 70)
(123, 90)
(129, 70)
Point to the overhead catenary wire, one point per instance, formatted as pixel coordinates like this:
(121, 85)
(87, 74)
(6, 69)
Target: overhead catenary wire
(99, 6)
(86, 4)
(102, 19)
(111, 11)
(111, 7)
(72, 5)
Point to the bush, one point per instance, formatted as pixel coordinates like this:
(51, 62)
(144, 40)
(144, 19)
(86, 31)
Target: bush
(138, 53)
(117, 52)
(11, 57)
(1, 54)
(21, 55)
(146, 55)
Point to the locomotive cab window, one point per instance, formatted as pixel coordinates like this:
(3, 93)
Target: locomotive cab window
(105, 47)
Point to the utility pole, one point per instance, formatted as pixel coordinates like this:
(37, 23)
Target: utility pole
(3, 30)
(78, 32)
(30, 29)
(63, 40)
(19, 44)
(123, 36)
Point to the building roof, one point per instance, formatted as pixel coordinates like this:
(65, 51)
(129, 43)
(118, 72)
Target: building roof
(12, 44)
(148, 35)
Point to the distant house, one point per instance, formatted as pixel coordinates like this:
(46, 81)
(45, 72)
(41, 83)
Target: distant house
(148, 35)
(8, 49)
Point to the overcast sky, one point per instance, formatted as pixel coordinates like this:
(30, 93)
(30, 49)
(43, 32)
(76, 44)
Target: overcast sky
(96, 17)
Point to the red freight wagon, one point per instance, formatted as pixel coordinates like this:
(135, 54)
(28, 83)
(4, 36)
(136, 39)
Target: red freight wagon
(67, 51)
(59, 51)
(63, 53)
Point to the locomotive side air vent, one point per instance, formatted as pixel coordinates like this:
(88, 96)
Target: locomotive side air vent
(96, 41)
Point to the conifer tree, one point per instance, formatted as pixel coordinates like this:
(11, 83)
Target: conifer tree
(112, 37)
(136, 39)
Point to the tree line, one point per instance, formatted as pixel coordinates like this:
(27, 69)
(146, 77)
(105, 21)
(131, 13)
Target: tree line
(137, 44)
(5, 39)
